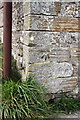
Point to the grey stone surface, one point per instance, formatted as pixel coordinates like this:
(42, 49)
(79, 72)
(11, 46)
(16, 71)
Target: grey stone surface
(47, 8)
(44, 8)
(63, 69)
(70, 9)
(46, 43)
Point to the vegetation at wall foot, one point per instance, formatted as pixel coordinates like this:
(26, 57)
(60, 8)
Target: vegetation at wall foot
(23, 99)
(65, 104)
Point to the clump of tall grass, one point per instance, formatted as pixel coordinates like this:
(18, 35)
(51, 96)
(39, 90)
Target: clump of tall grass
(65, 104)
(23, 100)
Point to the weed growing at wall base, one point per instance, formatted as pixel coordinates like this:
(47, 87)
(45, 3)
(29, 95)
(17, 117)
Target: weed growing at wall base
(27, 100)
(23, 100)
(65, 104)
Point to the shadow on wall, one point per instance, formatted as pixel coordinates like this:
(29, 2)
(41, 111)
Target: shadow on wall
(15, 72)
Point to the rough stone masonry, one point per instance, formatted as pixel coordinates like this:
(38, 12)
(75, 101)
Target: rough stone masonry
(46, 43)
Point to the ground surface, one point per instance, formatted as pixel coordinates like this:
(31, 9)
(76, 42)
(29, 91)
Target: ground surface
(74, 116)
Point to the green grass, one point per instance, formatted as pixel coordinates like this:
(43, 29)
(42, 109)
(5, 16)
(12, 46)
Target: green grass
(24, 100)
(27, 100)
(65, 104)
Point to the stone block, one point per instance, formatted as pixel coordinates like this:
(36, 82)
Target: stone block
(46, 75)
(62, 84)
(69, 39)
(66, 24)
(60, 55)
(45, 8)
(27, 8)
(51, 23)
(70, 9)
(38, 22)
(63, 69)
(42, 39)
(48, 8)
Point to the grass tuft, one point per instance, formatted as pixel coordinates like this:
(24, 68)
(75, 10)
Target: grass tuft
(24, 100)
(65, 104)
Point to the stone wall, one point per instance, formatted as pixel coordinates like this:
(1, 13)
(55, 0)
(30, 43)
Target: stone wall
(46, 43)
(1, 22)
